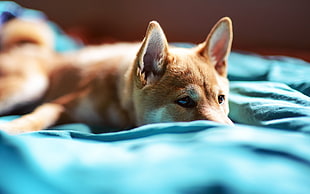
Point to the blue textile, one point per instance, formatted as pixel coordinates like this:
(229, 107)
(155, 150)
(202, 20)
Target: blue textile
(194, 157)
(267, 151)
(270, 92)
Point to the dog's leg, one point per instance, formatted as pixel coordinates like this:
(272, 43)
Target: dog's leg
(42, 117)
(23, 80)
(17, 91)
(46, 115)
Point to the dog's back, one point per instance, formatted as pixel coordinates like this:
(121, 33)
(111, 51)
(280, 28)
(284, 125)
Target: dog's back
(34, 74)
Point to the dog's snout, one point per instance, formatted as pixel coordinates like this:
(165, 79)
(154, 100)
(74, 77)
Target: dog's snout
(218, 116)
(228, 122)
(224, 119)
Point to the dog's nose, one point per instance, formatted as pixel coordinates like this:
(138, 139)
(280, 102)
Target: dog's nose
(224, 121)
(220, 118)
(216, 115)
(229, 122)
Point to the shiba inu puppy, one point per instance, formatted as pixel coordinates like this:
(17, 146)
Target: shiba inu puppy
(119, 85)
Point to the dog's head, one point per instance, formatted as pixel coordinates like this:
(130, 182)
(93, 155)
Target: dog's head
(182, 84)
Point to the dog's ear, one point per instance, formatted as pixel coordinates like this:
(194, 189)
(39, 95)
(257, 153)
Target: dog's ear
(152, 56)
(218, 45)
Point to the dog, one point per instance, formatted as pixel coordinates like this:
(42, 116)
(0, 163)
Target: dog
(119, 86)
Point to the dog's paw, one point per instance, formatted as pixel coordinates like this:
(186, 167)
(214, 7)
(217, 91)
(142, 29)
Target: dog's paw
(11, 129)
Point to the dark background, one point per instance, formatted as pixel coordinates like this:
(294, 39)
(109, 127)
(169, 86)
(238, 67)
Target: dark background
(264, 26)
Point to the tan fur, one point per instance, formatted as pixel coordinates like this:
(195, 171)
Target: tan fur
(117, 86)
(22, 30)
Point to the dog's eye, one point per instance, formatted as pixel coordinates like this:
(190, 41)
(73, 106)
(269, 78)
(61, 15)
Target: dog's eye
(186, 102)
(221, 99)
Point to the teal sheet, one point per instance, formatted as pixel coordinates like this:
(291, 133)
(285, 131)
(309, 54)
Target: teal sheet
(270, 92)
(195, 157)
(267, 151)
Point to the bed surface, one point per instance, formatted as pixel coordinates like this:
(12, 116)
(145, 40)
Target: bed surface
(267, 151)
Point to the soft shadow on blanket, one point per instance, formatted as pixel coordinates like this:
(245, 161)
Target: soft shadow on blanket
(266, 152)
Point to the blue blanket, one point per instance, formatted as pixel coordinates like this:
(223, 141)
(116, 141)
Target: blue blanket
(268, 151)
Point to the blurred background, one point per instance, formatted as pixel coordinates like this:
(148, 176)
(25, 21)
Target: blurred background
(267, 26)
